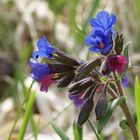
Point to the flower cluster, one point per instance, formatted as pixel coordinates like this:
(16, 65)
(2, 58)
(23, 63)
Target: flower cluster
(85, 78)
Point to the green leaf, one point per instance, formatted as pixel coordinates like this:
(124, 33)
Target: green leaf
(124, 123)
(78, 132)
(137, 100)
(125, 52)
(59, 131)
(111, 107)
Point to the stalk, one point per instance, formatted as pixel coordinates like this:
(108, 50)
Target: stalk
(125, 109)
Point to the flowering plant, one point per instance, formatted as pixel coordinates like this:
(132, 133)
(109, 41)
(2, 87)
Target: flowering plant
(105, 74)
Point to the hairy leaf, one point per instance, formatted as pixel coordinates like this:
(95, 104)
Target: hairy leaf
(125, 53)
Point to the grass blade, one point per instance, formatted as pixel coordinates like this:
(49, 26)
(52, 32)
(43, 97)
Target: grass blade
(59, 131)
(137, 100)
(27, 116)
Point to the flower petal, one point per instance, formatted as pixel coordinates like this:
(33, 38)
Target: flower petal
(112, 20)
(95, 23)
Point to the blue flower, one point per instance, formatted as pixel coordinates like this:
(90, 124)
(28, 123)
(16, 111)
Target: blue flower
(99, 41)
(39, 70)
(124, 81)
(44, 49)
(103, 20)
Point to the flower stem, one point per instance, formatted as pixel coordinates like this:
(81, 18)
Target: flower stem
(125, 109)
(92, 127)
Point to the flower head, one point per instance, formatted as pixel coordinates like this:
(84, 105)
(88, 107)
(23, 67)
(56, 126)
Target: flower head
(99, 41)
(39, 70)
(44, 49)
(103, 20)
(42, 74)
(117, 63)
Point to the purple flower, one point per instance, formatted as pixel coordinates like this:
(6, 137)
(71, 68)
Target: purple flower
(103, 20)
(100, 37)
(77, 99)
(44, 49)
(117, 63)
(124, 81)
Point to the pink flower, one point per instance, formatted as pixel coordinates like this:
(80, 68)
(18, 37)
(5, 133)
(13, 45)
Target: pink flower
(117, 63)
(45, 82)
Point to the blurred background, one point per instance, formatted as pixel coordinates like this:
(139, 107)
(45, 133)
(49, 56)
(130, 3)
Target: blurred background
(65, 24)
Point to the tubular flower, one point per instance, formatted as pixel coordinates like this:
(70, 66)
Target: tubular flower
(117, 63)
(99, 41)
(45, 49)
(100, 37)
(103, 20)
(77, 99)
(42, 74)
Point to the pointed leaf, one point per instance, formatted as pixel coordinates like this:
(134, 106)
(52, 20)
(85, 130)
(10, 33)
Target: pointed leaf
(78, 132)
(125, 52)
(85, 111)
(59, 131)
(111, 107)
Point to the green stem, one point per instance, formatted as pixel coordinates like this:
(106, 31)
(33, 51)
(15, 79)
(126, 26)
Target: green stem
(93, 129)
(27, 116)
(125, 109)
